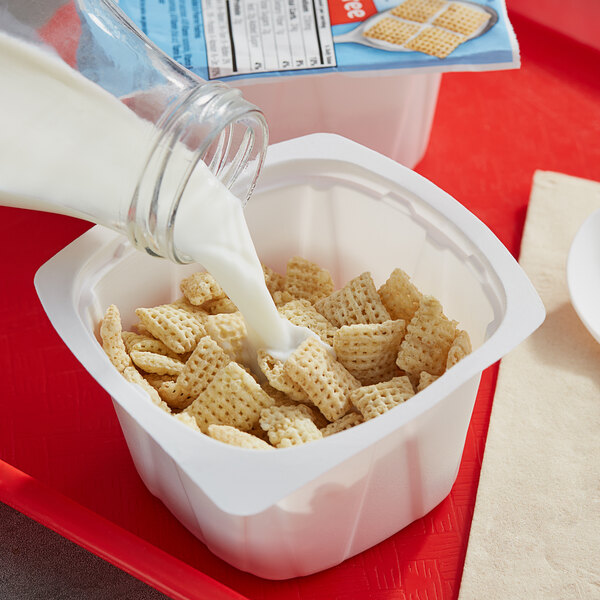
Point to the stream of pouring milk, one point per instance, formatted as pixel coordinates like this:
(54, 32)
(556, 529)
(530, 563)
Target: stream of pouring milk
(68, 146)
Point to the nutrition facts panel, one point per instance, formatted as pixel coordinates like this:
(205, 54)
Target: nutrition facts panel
(259, 36)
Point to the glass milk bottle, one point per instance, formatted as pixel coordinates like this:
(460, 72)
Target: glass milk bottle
(98, 123)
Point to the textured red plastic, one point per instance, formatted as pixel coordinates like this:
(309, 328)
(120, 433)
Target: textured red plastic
(63, 458)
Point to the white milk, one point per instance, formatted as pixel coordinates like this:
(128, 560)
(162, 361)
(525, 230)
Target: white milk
(57, 128)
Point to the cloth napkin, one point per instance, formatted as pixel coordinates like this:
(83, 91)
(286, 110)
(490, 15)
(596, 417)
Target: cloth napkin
(536, 526)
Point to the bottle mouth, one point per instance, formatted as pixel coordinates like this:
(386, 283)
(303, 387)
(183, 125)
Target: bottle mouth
(214, 124)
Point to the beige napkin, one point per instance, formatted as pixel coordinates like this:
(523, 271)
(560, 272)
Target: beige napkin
(536, 527)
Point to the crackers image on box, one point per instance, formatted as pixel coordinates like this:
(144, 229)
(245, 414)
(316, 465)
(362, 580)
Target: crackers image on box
(434, 27)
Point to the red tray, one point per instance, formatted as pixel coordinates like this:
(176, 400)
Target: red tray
(65, 463)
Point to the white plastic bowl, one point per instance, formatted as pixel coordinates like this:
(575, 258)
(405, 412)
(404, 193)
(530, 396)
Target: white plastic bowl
(296, 511)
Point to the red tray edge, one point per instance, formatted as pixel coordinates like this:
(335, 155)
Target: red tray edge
(105, 539)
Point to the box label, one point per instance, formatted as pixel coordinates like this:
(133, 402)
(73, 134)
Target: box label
(262, 36)
(222, 39)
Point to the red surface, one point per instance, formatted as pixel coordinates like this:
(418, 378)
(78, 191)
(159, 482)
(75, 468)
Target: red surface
(491, 132)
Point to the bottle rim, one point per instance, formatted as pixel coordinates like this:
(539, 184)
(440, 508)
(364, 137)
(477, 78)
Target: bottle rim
(221, 129)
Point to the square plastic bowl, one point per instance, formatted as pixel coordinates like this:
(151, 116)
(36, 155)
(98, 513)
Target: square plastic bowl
(296, 511)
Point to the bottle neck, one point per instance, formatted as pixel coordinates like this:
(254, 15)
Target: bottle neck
(212, 124)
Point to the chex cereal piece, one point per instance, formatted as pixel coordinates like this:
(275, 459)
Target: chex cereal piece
(418, 10)
(188, 420)
(130, 338)
(196, 311)
(274, 280)
(318, 418)
(462, 19)
(207, 359)
(289, 425)
(201, 287)
(400, 296)
(392, 31)
(436, 42)
(144, 343)
(173, 396)
(461, 346)
(324, 380)
(232, 398)
(229, 331)
(304, 314)
(133, 376)
(219, 306)
(260, 433)
(369, 351)
(425, 379)
(280, 398)
(112, 342)
(357, 302)
(281, 298)
(235, 437)
(156, 363)
(173, 326)
(374, 400)
(273, 370)
(428, 338)
(157, 380)
(345, 422)
(141, 330)
(305, 279)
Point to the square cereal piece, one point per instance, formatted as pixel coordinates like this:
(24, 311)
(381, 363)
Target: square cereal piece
(229, 331)
(187, 420)
(400, 296)
(280, 398)
(343, 423)
(173, 396)
(235, 437)
(232, 398)
(144, 343)
(151, 362)
(427, 342)
(172, 325)
(289, 425)
(207, 359)
(425, 380)
(281, 298)
(305, 279)
(112, 341)
(273, 370)
(418, 10)
(436, 42)
(219, 306)
(462, 19)
(157, 380)
(197, 312)
(325, 381)
(461, 346)
(200, 288)
(357, 302)
(304, 314)
(392, 31)
(369, 351)
(133, 376)
(274, 281)
(374, 400)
